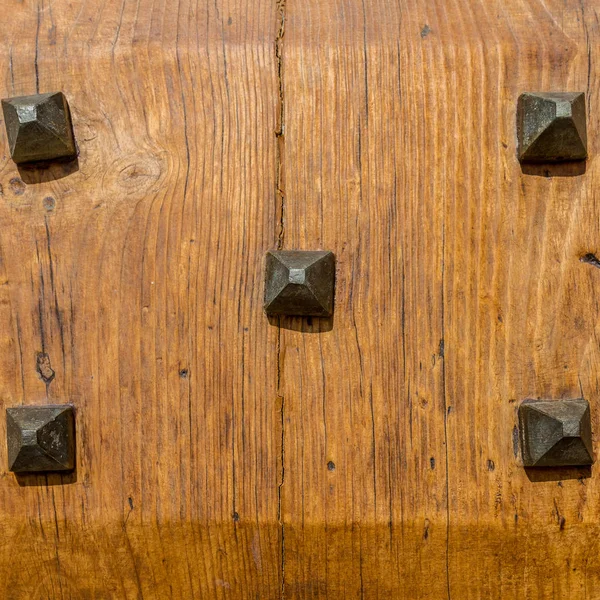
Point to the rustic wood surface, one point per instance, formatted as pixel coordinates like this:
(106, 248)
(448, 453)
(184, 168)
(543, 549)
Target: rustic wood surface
(225, 455)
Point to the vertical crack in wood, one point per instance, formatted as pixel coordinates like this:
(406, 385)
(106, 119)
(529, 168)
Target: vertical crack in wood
(280, 129)
(280, 210)
(57, 310)
(588, 51)
(37, 51)
(282, 467)
(442, 355)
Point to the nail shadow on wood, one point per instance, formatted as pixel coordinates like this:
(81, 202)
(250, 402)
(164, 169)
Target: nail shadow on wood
(43, 172)
(536, 474)
(46, 479)
(303, 324)
(565, 169)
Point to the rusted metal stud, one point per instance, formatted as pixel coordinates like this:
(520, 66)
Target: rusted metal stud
(555, 433)
(299, 282)
(40, 438)
(551, 127)
(39, 128)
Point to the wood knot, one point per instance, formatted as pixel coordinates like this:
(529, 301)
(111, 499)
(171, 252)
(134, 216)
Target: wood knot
(134, 175)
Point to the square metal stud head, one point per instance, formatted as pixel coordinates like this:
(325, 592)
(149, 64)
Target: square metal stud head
(300, 283)
(40, 438)
(555, 433)
(39, 128)
(551, 127)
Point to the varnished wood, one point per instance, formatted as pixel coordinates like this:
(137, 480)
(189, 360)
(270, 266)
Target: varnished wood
(225, 455)
(139, 276)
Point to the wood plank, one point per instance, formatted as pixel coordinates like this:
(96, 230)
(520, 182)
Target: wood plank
(460, 293)
(139, 276)
(520, 313)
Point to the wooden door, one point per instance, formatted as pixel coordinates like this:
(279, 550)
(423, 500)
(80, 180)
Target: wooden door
(221, 454)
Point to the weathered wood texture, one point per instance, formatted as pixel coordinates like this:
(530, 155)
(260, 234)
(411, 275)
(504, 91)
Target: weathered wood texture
(223, 455)
(139, 276)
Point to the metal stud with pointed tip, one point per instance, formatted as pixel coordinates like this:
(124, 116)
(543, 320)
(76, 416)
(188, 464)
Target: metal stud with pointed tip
(555, 433)
(39, 128)
(551, 127)
(40, 438)
(300, 283)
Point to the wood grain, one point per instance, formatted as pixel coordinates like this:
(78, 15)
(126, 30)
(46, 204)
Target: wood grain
(372, 455)
(139, 276)
(460, 293)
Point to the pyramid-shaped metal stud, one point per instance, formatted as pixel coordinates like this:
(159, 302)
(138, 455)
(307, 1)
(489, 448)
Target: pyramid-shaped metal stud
(555, 433)
(299, 283)
(40, 438)
(39, 128)
(551, 127)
